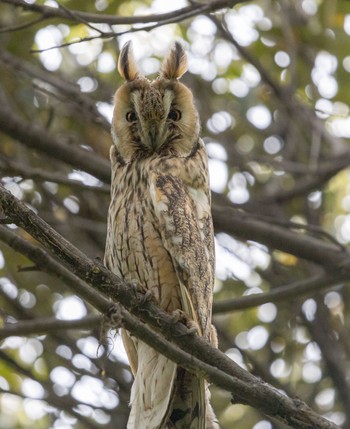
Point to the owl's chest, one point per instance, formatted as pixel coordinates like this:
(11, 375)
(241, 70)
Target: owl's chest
(136, 247)
(132, 218)
(131, 206)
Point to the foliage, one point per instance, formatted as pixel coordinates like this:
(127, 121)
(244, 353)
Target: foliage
(270, 82)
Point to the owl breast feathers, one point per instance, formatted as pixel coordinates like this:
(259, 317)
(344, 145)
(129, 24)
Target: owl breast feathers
(160, 232)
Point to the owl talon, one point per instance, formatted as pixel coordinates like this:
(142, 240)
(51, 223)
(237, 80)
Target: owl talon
(192, 328)
(138, 289)
(181, 316)
(147, 296)
(112, 319)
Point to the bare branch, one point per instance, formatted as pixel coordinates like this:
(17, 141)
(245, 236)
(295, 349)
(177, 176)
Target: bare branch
(33, 136)
(47, 325)
(174, 16)
(296, 289)
(56, 85)
(333, 352)
(21, 26)
(231, 221)
(13, 167)
(196, 355)
(313, 180)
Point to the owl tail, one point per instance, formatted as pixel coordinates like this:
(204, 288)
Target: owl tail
(191, 407)
(164, 396)
(152, 390)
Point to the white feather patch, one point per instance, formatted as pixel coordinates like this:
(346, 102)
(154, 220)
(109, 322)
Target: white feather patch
(152, 389)
(159, 205)
(114, 136)
(200, 200)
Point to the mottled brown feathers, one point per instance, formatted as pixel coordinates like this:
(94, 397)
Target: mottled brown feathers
(160, 232)
(165, 119)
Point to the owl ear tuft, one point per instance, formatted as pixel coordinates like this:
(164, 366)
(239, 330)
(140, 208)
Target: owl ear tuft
(175, 64)
(126, 64)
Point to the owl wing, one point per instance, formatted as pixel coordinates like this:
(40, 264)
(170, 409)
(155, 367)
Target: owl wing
(185, 225)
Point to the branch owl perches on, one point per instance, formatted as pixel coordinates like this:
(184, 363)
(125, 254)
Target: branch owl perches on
(160, 232)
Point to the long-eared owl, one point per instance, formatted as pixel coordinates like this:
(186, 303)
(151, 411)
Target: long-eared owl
(160, 232)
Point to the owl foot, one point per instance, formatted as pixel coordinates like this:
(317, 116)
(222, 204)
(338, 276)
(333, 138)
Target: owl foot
(147, 296)
(111, 320)
(138, 289)
(113, 316)
(181, 316)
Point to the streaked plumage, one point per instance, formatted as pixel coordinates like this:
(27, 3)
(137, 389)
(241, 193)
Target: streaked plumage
(160, 232)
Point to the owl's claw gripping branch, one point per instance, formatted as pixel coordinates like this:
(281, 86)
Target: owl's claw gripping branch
(180, 316)
(114, 315)
(112, 319)
(148, 296)
(142, 294)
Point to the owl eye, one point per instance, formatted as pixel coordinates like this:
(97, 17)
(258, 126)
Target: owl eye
(174, 115)
(131, 116)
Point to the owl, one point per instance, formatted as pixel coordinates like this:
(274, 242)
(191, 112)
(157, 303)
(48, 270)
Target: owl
(160, 232)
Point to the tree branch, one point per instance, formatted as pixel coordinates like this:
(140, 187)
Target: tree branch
(47, 325)
(175, 16)
(35, 137)
(238, 224)
(314, 179)
(56, 85)
(195, 355)
(333, 352)
(297, 289)
(51, 397)
(10, 166)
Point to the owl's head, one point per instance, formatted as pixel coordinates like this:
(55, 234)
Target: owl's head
(156, 116)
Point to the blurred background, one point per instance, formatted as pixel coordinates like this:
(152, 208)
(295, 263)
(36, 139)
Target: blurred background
(271, 83)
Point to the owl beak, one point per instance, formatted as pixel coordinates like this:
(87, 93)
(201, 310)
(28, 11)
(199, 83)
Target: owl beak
(153, 134)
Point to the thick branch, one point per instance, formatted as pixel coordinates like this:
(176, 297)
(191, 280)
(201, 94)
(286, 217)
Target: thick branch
(231, 221)
(195, 355)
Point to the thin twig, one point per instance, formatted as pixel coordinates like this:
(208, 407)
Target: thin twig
(47, 325)
(302, 288)
(178, 14)
(21, 26)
